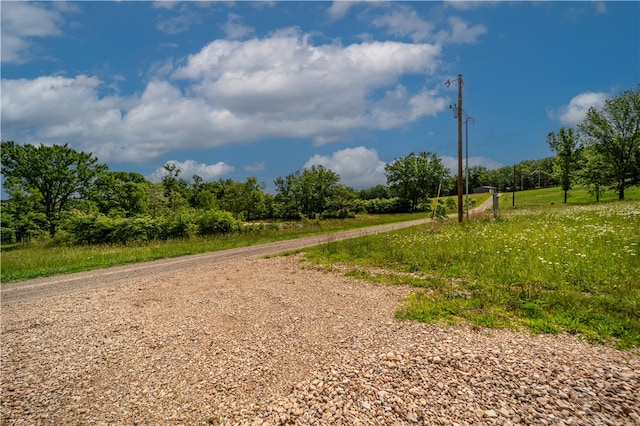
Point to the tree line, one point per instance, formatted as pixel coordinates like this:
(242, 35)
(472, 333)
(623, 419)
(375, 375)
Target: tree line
(70, 197)
(604, 151)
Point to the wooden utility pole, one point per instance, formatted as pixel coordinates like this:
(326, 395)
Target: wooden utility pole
(513, 197)
(460, 190)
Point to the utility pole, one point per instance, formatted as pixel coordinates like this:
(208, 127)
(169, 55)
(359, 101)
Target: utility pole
(458, 115)
(460, 190)
(513, 197)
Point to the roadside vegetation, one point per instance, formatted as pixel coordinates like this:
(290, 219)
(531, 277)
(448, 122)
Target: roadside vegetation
(543, 266)
(41, 258)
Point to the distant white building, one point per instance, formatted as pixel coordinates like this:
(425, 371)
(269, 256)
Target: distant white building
(483, 189)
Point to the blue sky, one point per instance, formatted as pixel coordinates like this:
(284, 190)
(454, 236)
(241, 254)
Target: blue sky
(238, 89)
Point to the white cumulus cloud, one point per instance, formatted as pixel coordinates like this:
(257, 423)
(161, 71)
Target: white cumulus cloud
(404, 21)
(576, 110)
(339, 9)
(21, 22)
(189, 168)
(359, 167)
(462, 32)
(235, 28)
(281, 86)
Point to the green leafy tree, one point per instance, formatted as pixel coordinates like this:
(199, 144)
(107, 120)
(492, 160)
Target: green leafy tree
(478, 176)
(202, 196)
(565, 145)
(253, 198)
(21, 218)
(378, 191)
(614, 131)
(176, 190)
(593, 171)
(309, 192)
(317, 186)
(55, 175)
(229, 194)
(416, 177)
(286, 205)
(120, 194)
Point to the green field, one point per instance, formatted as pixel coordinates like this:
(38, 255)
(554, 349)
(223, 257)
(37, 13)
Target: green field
(542, 267)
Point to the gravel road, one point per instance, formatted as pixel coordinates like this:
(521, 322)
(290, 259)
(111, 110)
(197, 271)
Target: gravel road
(63, 284)
(245, 339)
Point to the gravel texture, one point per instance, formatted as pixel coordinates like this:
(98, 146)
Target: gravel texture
(275, 341)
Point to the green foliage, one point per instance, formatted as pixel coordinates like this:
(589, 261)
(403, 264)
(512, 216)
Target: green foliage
(213, 222)
(383, 205)
(594, 171)
(564, 144)
(378, 191)
(54, 175)
(416, 177)
(614, 131)
(120, 193)
(96, 228)
(315, 191)
(21, 219)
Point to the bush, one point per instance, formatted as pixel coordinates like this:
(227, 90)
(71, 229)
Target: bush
(177, 226)
(386, 205)
(96, 228)
(212, 222)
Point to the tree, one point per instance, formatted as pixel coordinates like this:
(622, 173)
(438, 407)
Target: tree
(285, 203)
(564, 144)
(119, 194)
(54, 174)
(614, 131)
(176, 191)
(21, 218)
(416, 177)
(318, 185)
(478, 176)
(311, 192)
(378, 191)
(252, 197)
(593, 171)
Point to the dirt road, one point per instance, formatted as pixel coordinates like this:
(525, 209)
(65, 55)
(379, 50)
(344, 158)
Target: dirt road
(63, 284)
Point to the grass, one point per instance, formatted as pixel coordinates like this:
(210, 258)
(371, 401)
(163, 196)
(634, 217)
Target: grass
(21, 262)
(555, 195)
(544, 268)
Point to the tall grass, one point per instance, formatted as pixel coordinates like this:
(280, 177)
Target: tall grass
(573, 268)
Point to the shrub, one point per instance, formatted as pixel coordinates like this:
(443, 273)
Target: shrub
(96, 228)
(177, 226)
(213, 222)
(386, 205)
